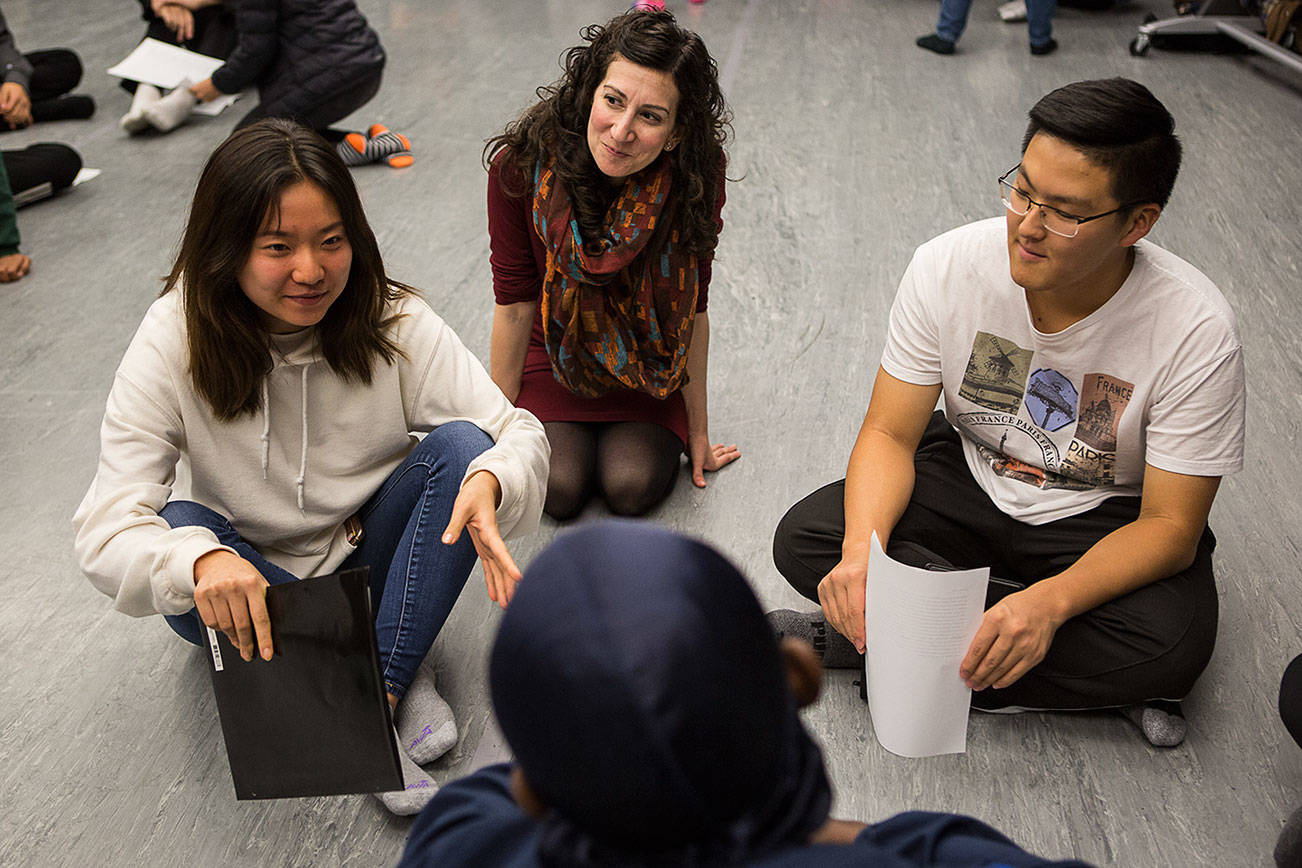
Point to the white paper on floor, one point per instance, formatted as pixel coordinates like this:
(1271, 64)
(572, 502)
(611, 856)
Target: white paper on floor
(166, 66)
(85, 174)
(918, 625)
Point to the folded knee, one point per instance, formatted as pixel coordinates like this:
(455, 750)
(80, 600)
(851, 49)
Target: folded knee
(633, 496)
(187, 513)
(458, 443)
(565, 499)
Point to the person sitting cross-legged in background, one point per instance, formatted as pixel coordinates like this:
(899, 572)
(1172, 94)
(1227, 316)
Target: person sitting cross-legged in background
(1093, 396)
(652, 714)
(313, 62)
(35, 88)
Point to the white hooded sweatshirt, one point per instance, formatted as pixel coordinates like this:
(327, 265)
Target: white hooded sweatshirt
(291, 474)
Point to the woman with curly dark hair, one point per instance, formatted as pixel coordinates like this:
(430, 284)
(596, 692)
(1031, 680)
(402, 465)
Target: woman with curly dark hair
(604, 203)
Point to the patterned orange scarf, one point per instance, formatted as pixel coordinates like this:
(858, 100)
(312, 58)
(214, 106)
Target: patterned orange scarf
(612, 318)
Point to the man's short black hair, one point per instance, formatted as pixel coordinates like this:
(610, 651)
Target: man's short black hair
(1118, 124)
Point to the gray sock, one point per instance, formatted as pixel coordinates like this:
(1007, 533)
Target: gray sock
(172, 110)
(832, 648)
(1161, 721)
(1288, 849)
(418, 788)
(134, 120)
(426, 728)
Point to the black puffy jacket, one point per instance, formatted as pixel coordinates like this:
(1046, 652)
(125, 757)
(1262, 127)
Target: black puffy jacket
(313, 47)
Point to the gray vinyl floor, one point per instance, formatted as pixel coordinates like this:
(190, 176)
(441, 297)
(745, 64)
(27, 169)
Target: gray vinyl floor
(852, 146)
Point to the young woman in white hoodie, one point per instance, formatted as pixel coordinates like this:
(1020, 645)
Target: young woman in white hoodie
(287, 378)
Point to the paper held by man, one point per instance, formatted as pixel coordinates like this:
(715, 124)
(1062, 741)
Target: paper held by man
(918, 624)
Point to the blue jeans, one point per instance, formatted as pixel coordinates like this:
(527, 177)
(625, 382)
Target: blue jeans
(415, 578)
(1039, 19)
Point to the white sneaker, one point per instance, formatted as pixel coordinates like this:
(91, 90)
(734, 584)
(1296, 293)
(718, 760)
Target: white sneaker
(1013, 11)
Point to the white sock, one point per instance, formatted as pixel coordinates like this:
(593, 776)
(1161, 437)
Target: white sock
(172, 110)
(418, 788)
(426, 728)
(134, 120)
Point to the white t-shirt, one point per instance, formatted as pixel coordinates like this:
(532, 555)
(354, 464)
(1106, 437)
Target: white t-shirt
(1054, 424)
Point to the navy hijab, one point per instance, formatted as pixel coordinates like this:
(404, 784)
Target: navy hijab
(642, 692)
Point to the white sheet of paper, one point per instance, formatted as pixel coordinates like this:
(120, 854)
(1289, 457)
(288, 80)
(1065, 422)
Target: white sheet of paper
(216, 106)
(85, 174)
(918, 625)
(162, 65)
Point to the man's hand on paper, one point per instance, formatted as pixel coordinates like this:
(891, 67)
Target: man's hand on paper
(205, 91)
(841, 594)
(231, 596)
(1014, 636)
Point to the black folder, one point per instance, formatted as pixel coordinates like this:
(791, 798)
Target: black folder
(314, 720)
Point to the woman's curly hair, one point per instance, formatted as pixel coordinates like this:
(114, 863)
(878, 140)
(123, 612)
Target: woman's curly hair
(556, 126)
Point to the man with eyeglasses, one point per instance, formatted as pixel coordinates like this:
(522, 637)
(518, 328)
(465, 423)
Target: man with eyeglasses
(1093, 396)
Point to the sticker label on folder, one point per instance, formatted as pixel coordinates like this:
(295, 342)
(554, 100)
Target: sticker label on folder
(216, 649)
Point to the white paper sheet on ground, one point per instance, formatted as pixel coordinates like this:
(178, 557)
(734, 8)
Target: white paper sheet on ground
(162, 65)
(85, 174)
(918, 625)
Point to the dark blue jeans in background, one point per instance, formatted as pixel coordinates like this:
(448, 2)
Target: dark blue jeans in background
(1039, 19)
(415, 578)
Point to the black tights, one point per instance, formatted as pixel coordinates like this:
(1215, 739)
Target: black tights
(633, 464)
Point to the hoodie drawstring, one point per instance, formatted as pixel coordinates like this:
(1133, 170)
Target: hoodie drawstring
(266, 437)
(266, 429)
(302, 460)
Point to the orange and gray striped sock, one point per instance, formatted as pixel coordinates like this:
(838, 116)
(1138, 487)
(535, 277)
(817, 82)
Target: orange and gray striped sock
(379, 143)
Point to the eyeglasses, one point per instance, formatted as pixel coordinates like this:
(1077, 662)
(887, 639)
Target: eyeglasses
(1057, 222)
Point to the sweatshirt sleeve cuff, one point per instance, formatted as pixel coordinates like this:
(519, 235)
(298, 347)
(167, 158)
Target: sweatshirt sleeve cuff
(511, 513)
(225, 82)
(176, 594)
(18, 76)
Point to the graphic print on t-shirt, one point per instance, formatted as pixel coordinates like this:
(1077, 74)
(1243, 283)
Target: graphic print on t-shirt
(1051, 399)
(1102, 399)
(996, 373)
(999, 377)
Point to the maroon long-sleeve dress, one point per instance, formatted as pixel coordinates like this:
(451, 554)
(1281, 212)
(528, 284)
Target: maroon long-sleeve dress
(519, 263)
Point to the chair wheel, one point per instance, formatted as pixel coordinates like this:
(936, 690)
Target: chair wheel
(1139, 46)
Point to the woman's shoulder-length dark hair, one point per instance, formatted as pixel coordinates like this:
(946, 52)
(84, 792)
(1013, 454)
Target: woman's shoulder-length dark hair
(238, 192)
(556, 126)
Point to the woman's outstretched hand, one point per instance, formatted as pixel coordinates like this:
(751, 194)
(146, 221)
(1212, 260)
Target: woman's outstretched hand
(476, 511)
(231, 596)
(708, 456)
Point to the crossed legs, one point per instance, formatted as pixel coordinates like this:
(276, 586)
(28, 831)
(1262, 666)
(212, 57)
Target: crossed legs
(1149, 644)
(415, 578)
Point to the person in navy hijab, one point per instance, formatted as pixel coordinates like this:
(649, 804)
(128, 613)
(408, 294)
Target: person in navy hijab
(653, 718)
